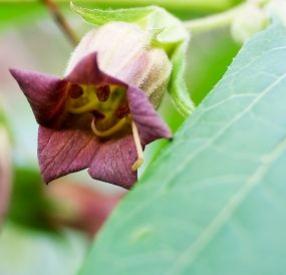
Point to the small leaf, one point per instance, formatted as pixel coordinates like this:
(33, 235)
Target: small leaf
(100, 17)
(214, 202)
(166, 31)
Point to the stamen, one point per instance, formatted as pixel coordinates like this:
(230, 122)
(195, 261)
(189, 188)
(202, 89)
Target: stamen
(140, 156)
(114, 129)
(103, 93)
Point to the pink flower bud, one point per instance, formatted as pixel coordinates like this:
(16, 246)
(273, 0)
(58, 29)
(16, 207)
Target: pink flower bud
(126, 53)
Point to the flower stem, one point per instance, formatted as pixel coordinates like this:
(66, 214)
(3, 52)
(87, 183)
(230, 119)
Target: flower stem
(61, 21)
(220, 20)
(179, 5)
(140, 157)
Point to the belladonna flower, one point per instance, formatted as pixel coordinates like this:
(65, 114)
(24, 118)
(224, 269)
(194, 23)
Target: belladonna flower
(102, 113)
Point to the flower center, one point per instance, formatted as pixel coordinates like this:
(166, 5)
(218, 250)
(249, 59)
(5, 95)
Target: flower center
(107, 104)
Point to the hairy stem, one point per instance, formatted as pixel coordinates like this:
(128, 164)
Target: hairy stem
(61, 21)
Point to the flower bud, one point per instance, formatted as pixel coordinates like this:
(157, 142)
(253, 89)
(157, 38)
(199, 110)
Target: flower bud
(125, 52)
(277, 9)
(250, 21)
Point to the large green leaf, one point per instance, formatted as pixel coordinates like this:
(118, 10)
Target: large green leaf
(214, 201)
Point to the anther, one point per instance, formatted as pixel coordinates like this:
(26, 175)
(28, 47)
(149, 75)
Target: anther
(122, 110)
(75, 91)
(103, 93)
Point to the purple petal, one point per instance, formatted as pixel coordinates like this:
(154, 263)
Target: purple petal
(64, 151)
(113, 162)
(150, 125)
(46, 94)
(87, 71)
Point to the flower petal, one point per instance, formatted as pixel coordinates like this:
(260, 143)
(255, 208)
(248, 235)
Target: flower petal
(46, 94)
(113, 162)
(150, 125)
(86, 71)
(61, 152)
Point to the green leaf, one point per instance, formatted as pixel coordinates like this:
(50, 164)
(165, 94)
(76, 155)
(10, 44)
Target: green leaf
(214, 201)
(167, 32)
(99, 17)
